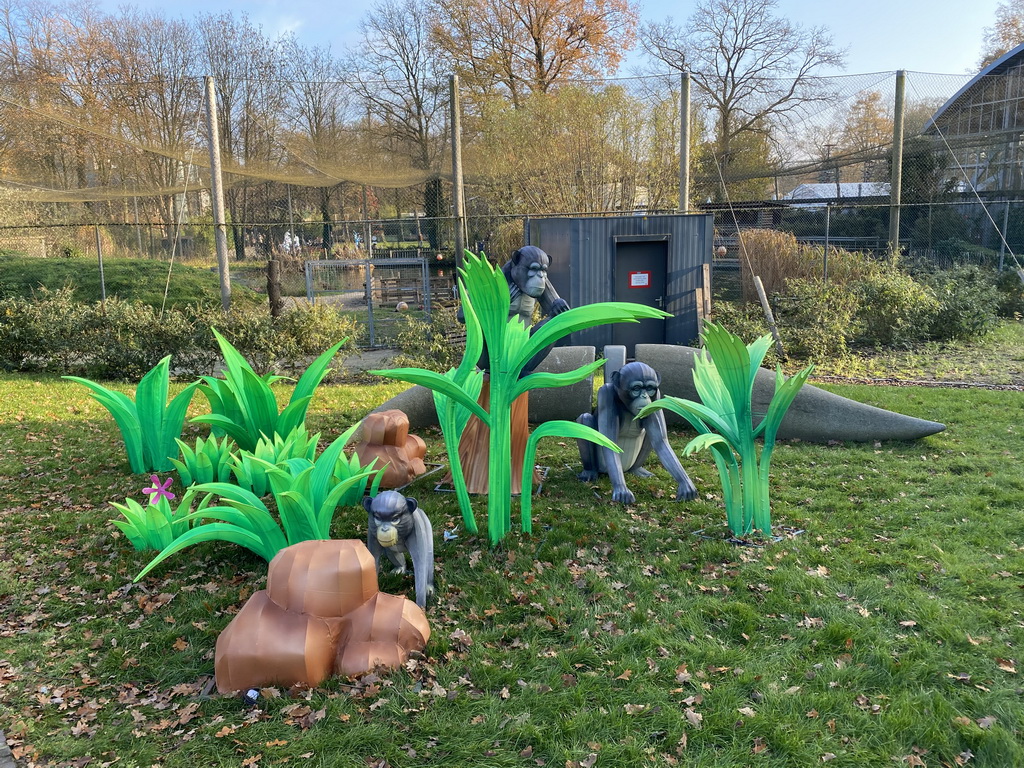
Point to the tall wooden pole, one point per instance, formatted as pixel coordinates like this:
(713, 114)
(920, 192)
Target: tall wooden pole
(896, 183)
(458, 199)
(220, 230)
(684, 142)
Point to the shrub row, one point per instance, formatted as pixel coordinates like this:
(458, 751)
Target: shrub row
(54, 332)
(882, 307)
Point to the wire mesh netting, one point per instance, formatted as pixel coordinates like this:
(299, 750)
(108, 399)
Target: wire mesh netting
(105, 147)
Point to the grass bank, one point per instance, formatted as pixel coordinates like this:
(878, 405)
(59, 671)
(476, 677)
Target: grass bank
(883, 628)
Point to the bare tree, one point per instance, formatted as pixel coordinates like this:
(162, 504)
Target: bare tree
(751, 66)
(396, 76)
(317, 113)
(246, 68)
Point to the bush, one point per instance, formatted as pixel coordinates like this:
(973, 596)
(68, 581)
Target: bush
(53, 332)
(1010, 285)
(968, 303)
(895, 309)
(428, 344)
(817, 320)
(776, 257)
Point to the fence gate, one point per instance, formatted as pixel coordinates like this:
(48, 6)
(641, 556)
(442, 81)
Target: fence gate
(377, 292)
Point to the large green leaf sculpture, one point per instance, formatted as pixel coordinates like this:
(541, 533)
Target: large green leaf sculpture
(243, 405)
(510, 345)
(149, 425)
(723, 375)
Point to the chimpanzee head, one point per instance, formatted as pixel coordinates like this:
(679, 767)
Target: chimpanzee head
(391, 515)
(637, 385)
(530, 270)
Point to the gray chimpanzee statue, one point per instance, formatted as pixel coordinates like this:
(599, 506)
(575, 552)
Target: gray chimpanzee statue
(618, 401)
(528, 286)
(397, 525)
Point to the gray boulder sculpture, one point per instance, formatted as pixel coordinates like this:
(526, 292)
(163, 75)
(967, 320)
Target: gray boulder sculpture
(815, 416)
(545, 404)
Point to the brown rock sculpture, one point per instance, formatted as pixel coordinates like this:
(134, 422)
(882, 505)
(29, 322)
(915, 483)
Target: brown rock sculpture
(320, 615)
(386, 438)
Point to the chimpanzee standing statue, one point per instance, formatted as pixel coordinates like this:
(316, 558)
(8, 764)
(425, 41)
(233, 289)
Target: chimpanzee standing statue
(632, 387)
(528, 286)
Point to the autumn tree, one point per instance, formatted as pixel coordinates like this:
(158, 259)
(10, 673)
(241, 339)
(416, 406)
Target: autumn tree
(751, 67)
(517, 47)
(1005, 34)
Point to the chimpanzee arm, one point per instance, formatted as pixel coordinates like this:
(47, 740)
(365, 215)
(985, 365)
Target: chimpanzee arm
(551, 303)
(608, 414)
(657, 433)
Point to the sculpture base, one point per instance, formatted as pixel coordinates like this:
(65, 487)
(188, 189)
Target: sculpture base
(474, 446)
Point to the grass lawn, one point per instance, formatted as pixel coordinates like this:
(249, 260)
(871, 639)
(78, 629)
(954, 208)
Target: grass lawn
(888, 631)
(128, 279)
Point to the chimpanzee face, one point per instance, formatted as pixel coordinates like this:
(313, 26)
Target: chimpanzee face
(391, 516)
(530, 270)
(637, 385)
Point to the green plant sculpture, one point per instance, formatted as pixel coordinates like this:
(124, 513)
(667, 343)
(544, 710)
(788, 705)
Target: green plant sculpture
(149, 425)
(306, 494)
(249, 467)
(156, 525)
(243, 405)
(511, 346)
(723, 375)
(208, 462)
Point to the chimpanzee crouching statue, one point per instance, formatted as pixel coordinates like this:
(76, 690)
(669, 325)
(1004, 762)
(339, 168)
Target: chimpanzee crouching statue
(397, 525)
(632, 387)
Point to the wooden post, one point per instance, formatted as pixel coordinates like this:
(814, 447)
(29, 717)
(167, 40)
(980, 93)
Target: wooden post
(274, 287)
(220, 232)
(896, 183)
(763, 297)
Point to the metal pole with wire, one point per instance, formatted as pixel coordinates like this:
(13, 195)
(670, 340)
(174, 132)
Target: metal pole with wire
(220, 232)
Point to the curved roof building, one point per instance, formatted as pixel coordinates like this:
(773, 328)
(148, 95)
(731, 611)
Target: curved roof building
(983, 125)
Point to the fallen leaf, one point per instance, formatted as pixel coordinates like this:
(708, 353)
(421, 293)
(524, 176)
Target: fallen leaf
(528, 752)
(908, 623)
(589, 760)
(1007, 665)
(828, 756)
(987, 722)
(634, 709)
(759, 746)
(625, 675)
(180, 644)
(696, 719)
(747, 712)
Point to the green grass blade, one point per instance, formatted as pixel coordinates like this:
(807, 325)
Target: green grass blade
(212, 532)
(556, 428)
(122, 409)
(542, 380)
(313, 375)
(150, 401)
(439, 383)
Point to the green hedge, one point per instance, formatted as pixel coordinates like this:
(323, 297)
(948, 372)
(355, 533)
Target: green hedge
(54, 332)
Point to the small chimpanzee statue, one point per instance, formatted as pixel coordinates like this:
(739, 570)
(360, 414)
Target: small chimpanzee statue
(528, 286)
(631, 388)
(397, 525)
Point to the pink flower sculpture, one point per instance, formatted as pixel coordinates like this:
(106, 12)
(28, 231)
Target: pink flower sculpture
(159, 489)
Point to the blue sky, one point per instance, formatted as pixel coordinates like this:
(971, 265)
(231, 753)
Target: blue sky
(943, 36)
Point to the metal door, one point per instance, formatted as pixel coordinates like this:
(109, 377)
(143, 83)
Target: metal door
(641, 270)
